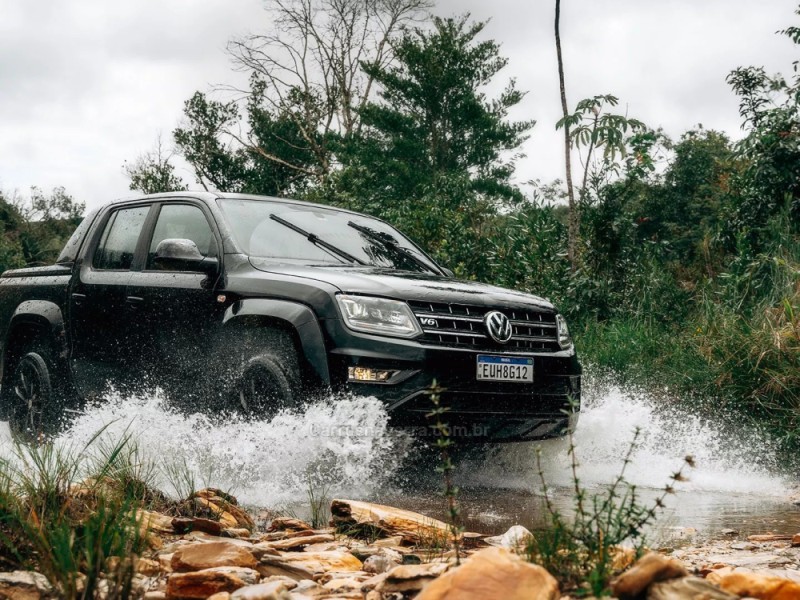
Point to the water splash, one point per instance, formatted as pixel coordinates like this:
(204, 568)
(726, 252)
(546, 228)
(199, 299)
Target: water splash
(343, 445)
(730, 459)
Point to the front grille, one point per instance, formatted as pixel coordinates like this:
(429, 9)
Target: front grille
(462, 326)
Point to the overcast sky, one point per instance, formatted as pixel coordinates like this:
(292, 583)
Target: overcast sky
(88, 84)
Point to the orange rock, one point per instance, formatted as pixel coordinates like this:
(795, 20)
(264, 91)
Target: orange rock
(282, 523)
(762, 587)
(649, 569)
(413, 528)
(201, 584)
(769, 537)
(796, 540)
(493, 574)
(687, 588)
(195, 557)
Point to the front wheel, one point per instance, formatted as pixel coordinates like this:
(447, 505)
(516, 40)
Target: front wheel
(269, 379)
(31, 398)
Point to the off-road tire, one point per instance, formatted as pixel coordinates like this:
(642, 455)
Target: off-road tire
(33, 395)
(269, 376)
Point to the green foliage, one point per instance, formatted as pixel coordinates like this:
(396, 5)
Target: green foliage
(74, 537)
(580, 551)
(153, 173)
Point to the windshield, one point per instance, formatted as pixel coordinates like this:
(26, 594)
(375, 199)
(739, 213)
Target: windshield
(310, 234)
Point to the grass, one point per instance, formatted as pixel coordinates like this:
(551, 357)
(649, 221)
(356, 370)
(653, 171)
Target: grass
(745, 364)
(581, 552)
(67, 531)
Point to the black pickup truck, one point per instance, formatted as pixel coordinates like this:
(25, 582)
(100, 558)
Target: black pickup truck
(243, 303)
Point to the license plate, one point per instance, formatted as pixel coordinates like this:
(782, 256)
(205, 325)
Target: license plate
(504, 368)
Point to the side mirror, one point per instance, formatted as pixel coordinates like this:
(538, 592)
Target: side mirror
(182, 255)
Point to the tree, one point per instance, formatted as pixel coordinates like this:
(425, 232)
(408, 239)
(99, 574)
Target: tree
(42, 222)
(308, 81)
(770, 108)
(152, 172)
(592, 128)
(435, 152)
(574, 214)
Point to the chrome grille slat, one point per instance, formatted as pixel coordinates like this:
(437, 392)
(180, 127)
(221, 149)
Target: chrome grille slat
(461, 326)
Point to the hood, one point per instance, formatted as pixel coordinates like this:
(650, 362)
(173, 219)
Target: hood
(405, 285)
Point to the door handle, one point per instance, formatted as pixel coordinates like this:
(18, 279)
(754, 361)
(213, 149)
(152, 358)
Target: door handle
(134, 301)
(78, 298)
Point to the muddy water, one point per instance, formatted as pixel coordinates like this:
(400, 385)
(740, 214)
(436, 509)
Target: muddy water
(344, 448)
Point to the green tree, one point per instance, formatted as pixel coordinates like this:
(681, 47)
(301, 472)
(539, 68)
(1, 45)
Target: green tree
(152, 172)
(436, 155)
(770, 107)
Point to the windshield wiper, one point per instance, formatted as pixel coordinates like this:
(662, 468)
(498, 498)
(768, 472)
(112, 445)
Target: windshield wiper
(317, 241)
(392, 245)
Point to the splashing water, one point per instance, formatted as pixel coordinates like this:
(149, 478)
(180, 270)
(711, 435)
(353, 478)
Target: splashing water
(343, 445)
(729, 460)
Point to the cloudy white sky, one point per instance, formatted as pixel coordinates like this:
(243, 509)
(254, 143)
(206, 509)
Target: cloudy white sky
(88, 84)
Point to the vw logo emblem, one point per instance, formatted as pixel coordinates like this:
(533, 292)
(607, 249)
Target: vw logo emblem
(498, 326)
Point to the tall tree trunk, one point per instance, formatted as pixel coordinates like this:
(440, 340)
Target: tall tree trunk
(574, 211)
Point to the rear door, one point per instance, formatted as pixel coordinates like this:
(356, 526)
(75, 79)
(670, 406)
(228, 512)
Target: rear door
(101, 344)
(179, 308)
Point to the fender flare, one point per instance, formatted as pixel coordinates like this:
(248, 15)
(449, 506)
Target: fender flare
(298, 316)
(41, 313)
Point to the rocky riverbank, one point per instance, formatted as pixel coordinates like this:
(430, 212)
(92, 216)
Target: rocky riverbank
(373, 552)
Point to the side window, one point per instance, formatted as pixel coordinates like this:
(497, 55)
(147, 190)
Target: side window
(185, 222)
(118, 244)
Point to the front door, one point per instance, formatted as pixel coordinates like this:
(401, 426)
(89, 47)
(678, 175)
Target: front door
(177, 307)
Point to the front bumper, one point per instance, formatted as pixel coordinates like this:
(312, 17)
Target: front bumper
(477, 410)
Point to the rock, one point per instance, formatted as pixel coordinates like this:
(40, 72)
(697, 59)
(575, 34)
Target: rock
(516, 537)
(758, 586)
(283, 523)
(649, 569)
(220, 596)
(729, 532)
(185, 525)
(743, 546)
(287, 582)
(25, 585)
(493, 573)
(274, 590)
(148, 567)
(297, 542)
(211, 554)
(249, 576)
(307, 565)
(223, 507)
(687, 588)
(380, 563)
(388, 542)
(202, 584)
(235, 532)
(769, 537)
(410, 578)
(154, 522)
(158, 595)
(796, 540)
(351, 516)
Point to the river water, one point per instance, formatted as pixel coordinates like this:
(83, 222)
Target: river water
(344, 448)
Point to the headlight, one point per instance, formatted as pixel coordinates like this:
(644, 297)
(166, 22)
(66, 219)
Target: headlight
(564, 340)
(378, 315)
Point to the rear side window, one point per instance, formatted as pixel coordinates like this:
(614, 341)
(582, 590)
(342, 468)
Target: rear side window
(118, 244)
(184, 222)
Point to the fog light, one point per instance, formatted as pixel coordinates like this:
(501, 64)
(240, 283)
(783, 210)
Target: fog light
(367, 374)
